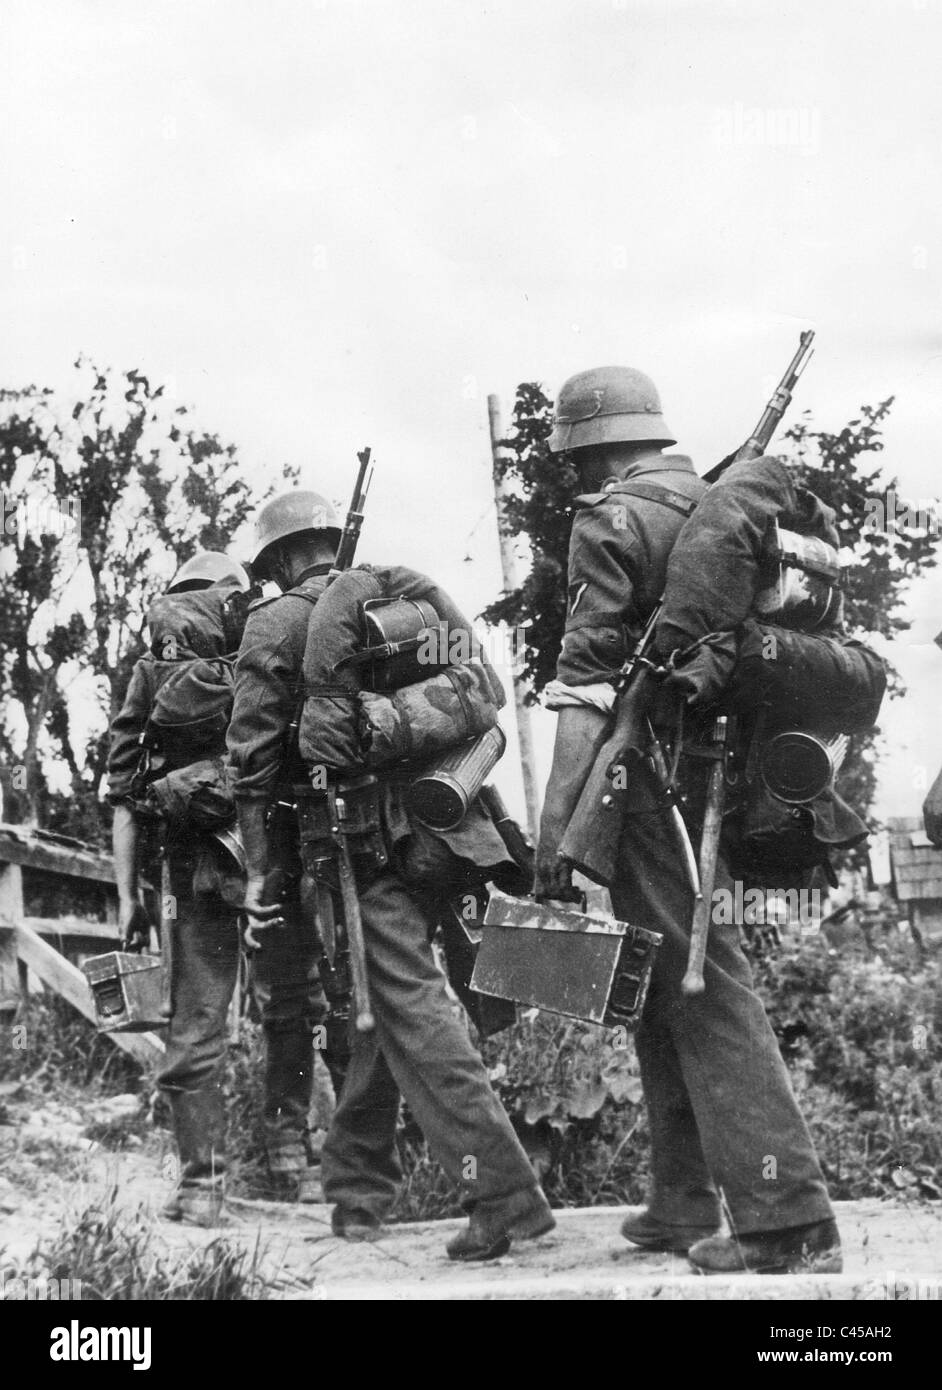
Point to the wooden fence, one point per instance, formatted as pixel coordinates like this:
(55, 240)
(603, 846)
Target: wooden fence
(37, 864)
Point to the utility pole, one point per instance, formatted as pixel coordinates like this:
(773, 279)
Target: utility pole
(508, 564)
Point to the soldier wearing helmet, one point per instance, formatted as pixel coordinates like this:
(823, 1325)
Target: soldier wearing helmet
(198, 874)
(295, 542)
(290, 529)
(205, 569)
(718, 1095)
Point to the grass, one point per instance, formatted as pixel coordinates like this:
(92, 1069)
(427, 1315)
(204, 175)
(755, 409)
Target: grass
(55, 1047)
(119, 1254)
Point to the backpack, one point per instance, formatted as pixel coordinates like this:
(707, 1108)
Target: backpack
(191, 711)
(828, 682)
(392, 680)
(191, 669)
(751, 624)
(752, 607)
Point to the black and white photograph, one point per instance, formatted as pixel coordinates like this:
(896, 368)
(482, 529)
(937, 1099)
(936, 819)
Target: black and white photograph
(470, 644)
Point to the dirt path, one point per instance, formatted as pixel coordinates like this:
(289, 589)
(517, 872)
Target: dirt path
(50, 1167)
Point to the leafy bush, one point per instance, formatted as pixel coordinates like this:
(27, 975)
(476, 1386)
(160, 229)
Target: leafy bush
(863, 1041)
(573, 1095)
(862, 1038)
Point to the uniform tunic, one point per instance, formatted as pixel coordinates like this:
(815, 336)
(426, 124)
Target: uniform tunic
(722, 1113)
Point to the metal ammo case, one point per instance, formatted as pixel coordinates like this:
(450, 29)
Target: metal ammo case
(128, 991)
(568, 962)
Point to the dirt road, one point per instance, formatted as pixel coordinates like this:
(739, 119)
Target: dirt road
(50, 1169)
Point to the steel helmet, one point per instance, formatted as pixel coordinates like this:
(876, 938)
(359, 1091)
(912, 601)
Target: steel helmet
(608, 405)
(289, 514)
(208, 567)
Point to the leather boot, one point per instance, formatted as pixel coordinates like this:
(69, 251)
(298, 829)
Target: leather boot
(356, 1224)
(199, 1126)
(494, 1225)
(647, 1232)
(293, 1175)
(810, 1249)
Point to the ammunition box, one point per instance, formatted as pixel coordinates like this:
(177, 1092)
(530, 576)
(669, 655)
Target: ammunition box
(127, 990)
(567, 962)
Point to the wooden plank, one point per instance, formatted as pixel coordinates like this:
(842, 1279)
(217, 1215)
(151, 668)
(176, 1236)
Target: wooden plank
(18, 846)
(73, 926)
(66, 979)
(11, 912)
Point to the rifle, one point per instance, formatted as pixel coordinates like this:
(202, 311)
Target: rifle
(350, 535)
(592, 839)
(319, 895)
(770, 419)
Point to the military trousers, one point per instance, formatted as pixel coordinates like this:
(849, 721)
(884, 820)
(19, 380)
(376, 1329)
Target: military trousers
(204, 970)
(420, 1050)
(724, 1120)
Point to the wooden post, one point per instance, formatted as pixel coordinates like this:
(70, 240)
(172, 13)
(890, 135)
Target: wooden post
(11, 915)
(508, 563)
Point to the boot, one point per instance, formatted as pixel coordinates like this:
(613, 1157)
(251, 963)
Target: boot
(355, 1225)
(289, 1085)
(494, 1224)
(197, 1202)
(647, 1232)
(199, 1126)
(292, 1173)
(810, 1249)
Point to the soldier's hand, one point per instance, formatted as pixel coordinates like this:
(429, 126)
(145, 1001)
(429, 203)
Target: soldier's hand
(553, 875)
(133, 924)
(932, 812)
(262, 915)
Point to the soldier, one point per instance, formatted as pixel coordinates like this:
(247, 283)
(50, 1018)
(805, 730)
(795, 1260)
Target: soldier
(418, 1049)
(724, 1123)
(296, 535)
(204, 888)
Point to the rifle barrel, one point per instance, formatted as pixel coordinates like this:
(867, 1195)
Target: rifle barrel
(771, 417)
(350, 534)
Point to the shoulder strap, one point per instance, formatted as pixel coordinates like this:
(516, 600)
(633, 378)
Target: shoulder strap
(276, 598)
(638, 487)
(656, 492)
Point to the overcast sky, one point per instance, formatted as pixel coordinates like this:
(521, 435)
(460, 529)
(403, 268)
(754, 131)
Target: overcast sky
(336, 222)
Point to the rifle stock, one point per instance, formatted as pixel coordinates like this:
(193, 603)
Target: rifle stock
(593, 836)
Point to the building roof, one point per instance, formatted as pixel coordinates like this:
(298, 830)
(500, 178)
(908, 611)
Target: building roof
(916, 863)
